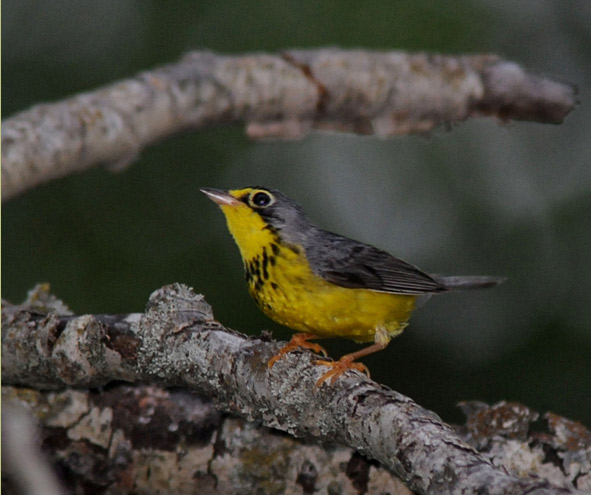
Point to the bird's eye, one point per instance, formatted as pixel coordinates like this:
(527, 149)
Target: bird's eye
(261, 199)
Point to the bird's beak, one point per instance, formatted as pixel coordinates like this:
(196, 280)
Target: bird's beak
(220, 197)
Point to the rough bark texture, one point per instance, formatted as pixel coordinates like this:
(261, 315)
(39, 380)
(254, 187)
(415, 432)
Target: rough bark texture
(178, 343)
(145, 439)
(282, 95)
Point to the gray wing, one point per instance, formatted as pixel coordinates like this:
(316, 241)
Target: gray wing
(355, 265)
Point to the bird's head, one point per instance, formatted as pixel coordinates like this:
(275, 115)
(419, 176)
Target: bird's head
(256, 215)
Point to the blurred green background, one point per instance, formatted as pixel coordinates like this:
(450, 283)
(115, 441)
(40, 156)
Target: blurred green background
(483, 198)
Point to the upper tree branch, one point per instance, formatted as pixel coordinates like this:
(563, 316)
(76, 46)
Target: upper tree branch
(284, 95)
(178, 343)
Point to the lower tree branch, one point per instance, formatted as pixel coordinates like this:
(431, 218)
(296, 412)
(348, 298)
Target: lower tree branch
(177, 343)
(129, 439)
(132, 439)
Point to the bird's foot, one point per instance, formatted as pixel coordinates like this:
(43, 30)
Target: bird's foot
(298, 341)
(337, 368)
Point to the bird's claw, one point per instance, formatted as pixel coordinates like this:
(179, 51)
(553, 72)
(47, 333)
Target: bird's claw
(337, 368)
(298, 341)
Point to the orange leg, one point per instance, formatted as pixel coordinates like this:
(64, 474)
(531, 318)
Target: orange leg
(346, 363)
(298, 341)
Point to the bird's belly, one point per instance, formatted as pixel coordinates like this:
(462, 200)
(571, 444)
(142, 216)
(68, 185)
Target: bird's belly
(303, 301)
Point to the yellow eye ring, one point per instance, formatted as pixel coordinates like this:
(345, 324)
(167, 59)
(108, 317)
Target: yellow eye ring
(261, 199)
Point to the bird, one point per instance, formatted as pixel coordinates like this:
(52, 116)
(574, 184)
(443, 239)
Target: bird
(321, 284)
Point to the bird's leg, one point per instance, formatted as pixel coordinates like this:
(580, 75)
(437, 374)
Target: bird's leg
(337, 368)
(298, 341)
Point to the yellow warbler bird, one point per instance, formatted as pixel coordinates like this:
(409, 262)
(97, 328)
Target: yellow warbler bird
(323, 284)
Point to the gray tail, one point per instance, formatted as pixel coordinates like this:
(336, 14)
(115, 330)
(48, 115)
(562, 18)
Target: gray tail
(475, 282)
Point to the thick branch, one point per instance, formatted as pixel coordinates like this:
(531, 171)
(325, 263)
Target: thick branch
(132, 438)
(177, 343)
(284, 95)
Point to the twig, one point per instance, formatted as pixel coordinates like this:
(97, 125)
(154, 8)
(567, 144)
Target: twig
(22, 461)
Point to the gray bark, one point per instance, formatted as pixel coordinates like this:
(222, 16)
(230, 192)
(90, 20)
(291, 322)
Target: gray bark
(176, 342)
(283, 95)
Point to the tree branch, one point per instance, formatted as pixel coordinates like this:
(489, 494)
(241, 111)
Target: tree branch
(130, 439)
(284, 96)
(145, 436)
(178, 343)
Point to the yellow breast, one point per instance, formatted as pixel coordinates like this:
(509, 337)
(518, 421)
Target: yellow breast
(288, 291)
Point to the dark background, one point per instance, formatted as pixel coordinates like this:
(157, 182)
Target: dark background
(484, 198)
